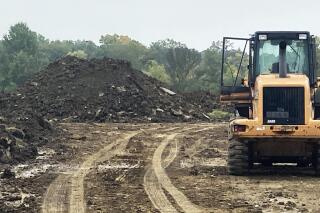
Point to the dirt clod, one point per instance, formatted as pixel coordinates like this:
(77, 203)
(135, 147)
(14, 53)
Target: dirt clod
(7, 173)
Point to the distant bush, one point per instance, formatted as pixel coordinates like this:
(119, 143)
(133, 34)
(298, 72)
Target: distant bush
(219, 115)
(157, 71)
(79, 54)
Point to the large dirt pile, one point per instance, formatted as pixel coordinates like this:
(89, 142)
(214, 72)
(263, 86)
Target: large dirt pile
(100, 90)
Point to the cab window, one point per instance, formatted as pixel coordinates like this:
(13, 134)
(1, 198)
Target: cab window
(296, 55)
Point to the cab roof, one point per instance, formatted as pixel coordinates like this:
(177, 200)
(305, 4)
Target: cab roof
(282, 34)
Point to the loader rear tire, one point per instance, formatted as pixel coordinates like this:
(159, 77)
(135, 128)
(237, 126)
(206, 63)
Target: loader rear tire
(317, 160)
(238, 157)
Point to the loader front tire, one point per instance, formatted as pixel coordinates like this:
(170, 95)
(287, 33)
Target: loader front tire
(238, 157)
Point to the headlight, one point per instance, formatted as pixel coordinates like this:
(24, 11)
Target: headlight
(303, 36)
(239, 128)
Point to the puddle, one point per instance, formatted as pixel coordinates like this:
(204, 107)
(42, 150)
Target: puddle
(22, 172)
(214, 162)
(118, 166)
(45, 153)
(19, 202)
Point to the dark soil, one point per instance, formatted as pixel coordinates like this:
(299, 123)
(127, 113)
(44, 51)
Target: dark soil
(206, 101)
(21, 135)
(102, 90)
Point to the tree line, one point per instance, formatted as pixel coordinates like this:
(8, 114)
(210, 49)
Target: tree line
(24, 52)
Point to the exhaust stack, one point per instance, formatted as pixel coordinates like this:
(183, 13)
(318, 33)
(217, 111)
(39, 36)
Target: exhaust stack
(282, 59)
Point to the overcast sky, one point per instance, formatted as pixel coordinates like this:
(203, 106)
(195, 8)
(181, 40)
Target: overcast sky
(194, 22)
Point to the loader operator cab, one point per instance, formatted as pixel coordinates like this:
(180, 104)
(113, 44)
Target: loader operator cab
(268, 53)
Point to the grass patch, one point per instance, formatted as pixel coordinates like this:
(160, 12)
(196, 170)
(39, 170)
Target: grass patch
(219, 114)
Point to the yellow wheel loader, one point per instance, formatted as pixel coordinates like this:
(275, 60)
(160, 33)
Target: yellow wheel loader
(277, 108)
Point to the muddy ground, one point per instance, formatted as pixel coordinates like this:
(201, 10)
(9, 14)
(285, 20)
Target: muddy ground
(149, 168)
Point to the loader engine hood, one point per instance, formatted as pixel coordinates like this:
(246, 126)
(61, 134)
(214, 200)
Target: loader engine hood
(274, 80)
(282, 101)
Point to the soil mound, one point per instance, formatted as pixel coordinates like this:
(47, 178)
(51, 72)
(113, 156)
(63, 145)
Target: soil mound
(20, 135)
(103, 90)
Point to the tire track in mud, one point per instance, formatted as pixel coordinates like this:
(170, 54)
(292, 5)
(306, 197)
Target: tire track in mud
(153, 187)
(185, 204)
(57, 195)
(77, 200)
(156, 179)
(60, 192)
(66, 192)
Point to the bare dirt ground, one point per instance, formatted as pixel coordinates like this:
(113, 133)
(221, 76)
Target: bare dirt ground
(149, 168)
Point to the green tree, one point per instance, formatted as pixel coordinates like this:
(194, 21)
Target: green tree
(157, 71)
(20, 38)
(181, 65)
(5, 81)
(57, 49)
(158, 50)
(208, 73)
(234, 68)
(207, 76)
(179, 61)
(123, 47)
(24, 52)
(19, 56)
(88, 47)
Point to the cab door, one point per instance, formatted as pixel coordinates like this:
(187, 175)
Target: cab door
(236, 70)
